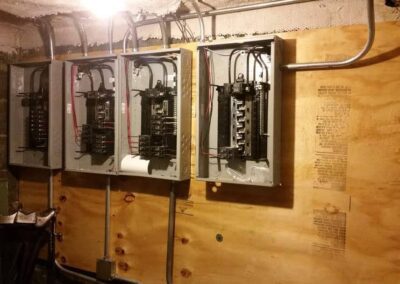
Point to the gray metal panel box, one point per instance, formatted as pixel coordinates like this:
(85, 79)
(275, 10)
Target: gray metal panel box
(239, 119)
(35, 105)
(91, 114)
(146, 114)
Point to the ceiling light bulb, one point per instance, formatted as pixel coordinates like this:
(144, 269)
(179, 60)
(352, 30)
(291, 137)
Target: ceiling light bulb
(103, 8)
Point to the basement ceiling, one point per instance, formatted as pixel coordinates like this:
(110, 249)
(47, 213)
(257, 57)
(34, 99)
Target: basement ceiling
(39, 8)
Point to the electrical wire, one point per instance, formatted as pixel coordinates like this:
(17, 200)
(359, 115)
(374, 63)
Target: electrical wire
(98, 66)
(128, 112)
(209, 108)
(74, 69)
(256, 52)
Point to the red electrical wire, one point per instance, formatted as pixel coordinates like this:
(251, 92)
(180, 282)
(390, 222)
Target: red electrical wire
(210, 99)
(128, 113)
(74, 119)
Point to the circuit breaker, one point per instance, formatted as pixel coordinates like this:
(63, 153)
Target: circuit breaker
(239, 112)
(35, 104)
(155, 120)
(91, 120)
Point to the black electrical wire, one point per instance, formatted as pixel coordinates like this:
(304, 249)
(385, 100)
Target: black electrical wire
(150, 74)
(262, 64)
(248, 66)
(172, 62)
(259, 56)
(230, 62)
(32, 78)
(235, 65)
(101, 75)
(155, 61)
(248, 50)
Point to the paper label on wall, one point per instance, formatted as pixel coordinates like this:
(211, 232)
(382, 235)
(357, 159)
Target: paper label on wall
(331, 137)
(69, 108)
(330, 228)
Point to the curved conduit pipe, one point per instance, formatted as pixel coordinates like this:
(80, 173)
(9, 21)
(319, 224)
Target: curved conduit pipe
(125, 40)
(110, 35)
(82, 34)
(201, 20)
(164, 35)
(132, 31)
(47, 31)
(343, 63)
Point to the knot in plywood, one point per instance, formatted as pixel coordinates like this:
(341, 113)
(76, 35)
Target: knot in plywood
(129, 197)
(119, 251)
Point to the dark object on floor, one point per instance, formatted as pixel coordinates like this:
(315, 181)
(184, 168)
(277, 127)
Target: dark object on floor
(21, 238)
(392, 3)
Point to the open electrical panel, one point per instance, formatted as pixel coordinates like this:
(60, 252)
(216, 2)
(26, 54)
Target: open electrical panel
(91, 115)
(238, 130)
(155, 119)
(35, 125)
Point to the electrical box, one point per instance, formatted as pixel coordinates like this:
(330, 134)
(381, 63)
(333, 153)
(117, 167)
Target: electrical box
(35, 124)
(239, 112)
(91, 115)
(155, 119)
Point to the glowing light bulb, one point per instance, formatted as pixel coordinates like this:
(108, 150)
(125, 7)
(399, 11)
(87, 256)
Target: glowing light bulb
(104, 8)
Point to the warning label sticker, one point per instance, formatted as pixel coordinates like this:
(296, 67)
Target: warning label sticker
(331, 137)
(331, 232)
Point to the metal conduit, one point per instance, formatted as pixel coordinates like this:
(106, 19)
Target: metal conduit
(51, 39)
(110, 35)
(242, 8)
(50, 190)
(201, 20)
(163, 32)
(200, 15)
(171, 234)
(131, 32)
(76, 274)
(107, 220)
(58, 265)
(47, 31)
(125, 40)
(82, 34)
(349, 61)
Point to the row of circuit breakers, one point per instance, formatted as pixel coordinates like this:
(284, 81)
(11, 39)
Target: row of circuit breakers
(131, 114)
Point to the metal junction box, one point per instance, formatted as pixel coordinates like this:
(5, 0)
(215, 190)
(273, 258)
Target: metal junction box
(91, 115)
(35, 105)
(155, 117)
(239, 112)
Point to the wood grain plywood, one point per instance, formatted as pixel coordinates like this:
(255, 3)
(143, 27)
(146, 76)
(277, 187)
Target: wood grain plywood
(33, 186)
(334, 220)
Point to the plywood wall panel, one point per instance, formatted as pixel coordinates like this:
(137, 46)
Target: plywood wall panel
(334, 220)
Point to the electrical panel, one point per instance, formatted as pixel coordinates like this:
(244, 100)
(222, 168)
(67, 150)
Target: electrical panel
(35, 104)
(155, 121)
(239, 112)
(91, 115)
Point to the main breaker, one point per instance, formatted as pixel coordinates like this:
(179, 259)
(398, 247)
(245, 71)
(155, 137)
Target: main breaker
(35, 104)
(155, 119)
(239, 109)
(91, 115)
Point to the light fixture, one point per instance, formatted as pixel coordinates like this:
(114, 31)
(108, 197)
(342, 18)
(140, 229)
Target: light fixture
(104, 8)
